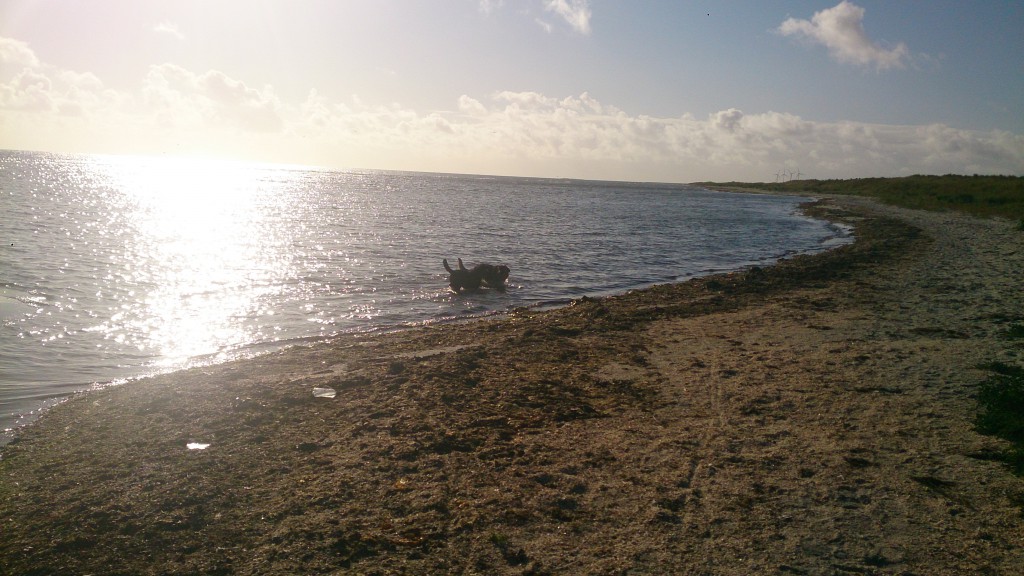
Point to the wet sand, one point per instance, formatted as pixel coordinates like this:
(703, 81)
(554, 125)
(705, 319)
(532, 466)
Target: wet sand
(814, 417)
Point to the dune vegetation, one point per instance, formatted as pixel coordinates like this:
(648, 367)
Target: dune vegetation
(1001, 399)
(978, 195)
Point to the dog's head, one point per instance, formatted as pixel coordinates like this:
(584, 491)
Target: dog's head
(503, 272)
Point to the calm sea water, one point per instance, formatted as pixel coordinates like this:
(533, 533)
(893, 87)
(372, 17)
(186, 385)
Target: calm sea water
(112, 268)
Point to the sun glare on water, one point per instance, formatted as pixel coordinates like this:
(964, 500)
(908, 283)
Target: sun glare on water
(201, 251)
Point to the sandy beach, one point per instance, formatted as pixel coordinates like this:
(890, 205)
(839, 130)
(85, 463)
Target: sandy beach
(814, 417)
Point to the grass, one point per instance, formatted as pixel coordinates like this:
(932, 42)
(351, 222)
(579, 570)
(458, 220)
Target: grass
(1001, 398)
(979, 195)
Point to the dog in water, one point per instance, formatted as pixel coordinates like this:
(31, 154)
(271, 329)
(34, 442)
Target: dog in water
(470, 279)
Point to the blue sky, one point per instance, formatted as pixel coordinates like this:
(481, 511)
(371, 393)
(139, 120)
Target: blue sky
(646, 90)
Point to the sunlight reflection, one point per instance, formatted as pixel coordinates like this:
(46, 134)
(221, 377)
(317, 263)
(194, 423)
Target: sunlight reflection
(202, 230)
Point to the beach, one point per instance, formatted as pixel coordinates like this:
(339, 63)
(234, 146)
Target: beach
(812, 417)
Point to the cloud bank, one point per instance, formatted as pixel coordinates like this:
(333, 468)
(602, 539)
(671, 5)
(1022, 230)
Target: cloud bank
(840, 29)
(178, 96)
(175, 110)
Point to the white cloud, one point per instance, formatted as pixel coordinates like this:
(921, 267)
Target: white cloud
(180, 95)
(16, 54)
(471, 106)
(169, 29)
(727, 120)
(29, 90)
(28, 85)
(488, 6)
(575, 12)
(841, 30)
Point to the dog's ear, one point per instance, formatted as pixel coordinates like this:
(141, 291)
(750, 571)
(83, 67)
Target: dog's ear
(461, 265)
(446, 266)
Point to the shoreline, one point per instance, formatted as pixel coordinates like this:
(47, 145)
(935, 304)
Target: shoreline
(29, 403)
(812, 416)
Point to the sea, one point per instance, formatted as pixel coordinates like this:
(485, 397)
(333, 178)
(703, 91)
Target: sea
(115, 268)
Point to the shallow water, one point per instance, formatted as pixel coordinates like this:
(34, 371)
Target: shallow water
(111, 268)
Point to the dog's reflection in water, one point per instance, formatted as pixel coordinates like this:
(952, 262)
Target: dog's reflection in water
(470, 279)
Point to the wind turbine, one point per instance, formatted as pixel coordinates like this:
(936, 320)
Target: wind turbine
(798, 174)
(777, 176)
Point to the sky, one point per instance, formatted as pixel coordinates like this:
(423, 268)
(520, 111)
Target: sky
(669, 90)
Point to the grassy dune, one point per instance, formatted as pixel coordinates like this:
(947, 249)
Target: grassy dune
(978, 195)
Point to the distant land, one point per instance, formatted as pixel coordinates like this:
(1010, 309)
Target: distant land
(978, 195)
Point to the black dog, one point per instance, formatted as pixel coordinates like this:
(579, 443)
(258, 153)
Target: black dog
(470, 279)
